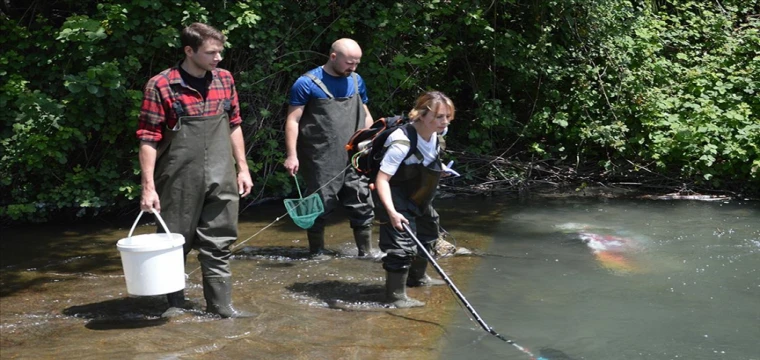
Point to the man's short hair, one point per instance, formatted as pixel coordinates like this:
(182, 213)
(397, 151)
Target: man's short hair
(196, 33)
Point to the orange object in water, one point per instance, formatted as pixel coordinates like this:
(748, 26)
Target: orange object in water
(614, 261)
(610, 251)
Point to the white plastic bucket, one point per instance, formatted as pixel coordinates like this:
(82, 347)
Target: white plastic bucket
(154, 264)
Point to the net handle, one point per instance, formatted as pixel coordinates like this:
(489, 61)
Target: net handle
(298, 187)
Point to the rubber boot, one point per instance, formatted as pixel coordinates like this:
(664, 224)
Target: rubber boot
(417, 276)
(218, 294)
(395, 291)
(363, 238)
(317, 244)
(176, 302)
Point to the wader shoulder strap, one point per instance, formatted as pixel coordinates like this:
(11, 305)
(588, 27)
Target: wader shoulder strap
(176, 104)
(359, 118)
(320, 84)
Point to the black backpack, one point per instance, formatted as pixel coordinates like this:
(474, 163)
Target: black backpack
(366, 147)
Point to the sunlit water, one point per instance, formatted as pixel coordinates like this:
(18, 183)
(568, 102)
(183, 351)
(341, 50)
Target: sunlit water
(63, 296)
(653, 280)
(682, 282)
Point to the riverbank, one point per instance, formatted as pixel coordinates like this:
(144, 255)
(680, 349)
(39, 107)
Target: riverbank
(498, 176)
(63, 296)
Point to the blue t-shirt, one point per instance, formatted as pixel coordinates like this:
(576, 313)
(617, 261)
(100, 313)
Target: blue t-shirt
(304, 88)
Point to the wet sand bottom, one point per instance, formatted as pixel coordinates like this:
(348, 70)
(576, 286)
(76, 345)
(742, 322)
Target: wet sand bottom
(76, 305)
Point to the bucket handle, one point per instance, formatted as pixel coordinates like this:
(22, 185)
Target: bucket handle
(158, 216)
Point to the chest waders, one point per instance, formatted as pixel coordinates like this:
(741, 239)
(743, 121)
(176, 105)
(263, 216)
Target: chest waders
(324, 129)
(196, 182)
(413, 188)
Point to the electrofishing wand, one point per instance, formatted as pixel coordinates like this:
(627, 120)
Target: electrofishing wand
(461, 297)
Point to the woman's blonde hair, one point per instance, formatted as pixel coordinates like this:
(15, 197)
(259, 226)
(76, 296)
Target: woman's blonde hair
(428, 102)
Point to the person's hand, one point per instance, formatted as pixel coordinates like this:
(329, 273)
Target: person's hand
(149, 200)
(244, 182)
(448, 171)
(397, 219)
(291, 165)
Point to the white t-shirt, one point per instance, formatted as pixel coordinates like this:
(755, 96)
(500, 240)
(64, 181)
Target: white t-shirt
(396, 152)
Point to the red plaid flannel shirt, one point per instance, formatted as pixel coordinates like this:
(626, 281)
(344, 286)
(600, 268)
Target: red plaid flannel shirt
(157, 108)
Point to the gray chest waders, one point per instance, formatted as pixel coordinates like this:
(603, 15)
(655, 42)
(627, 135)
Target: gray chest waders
(196, 182)
(413, 188)
(417, 183)
(324, 129)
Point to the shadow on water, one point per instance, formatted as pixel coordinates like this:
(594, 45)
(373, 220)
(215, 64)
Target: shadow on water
(279, 253)
(347, 296)
(409, 318)
(124, 324)
(554, 354)
(58, 283)
(32, 273)
(33, 256)
(276, 265)
(334, 291)
(30, 256)
(125, 313)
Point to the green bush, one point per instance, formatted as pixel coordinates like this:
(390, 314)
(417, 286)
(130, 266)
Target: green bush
(666, 83)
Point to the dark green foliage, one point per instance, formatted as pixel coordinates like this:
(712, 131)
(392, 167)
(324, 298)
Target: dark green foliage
(666, 84)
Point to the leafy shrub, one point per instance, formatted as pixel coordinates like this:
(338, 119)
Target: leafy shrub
(669, 82)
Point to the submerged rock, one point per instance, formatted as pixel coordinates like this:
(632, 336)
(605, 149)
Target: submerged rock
(444, 248)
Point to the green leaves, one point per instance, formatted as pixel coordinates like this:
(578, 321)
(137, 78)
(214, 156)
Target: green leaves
(242, 16)
(81, 29)
(715, 123)
(673, 83)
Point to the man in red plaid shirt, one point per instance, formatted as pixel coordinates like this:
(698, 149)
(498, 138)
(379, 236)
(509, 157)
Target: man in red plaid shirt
(192, 157)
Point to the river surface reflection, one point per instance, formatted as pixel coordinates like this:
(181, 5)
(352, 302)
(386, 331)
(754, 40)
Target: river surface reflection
(617, 279)
(569, 279)
(63, 295)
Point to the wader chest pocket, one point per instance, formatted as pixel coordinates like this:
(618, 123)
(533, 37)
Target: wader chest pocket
(180, 111)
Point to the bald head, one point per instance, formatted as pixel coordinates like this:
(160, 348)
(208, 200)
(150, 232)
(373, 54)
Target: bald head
(345, 55)
(346, 46)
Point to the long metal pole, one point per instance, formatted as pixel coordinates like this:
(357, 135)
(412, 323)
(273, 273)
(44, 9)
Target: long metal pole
(461, 297)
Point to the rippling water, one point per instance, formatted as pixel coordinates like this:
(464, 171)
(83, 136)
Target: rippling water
(567, 279)
(617, 280)
(63, 296)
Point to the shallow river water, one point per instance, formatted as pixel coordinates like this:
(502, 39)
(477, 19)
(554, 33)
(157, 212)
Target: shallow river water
(578, 279)
(63, 296)
(568, 279)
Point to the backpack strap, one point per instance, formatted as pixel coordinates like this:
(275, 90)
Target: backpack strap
(402, 142)
(320, 84)
(411, 134)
